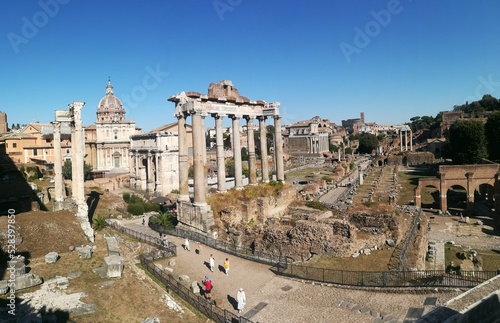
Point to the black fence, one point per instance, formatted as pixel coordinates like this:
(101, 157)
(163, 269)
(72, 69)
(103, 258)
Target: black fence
(230, 248)
(281, 266)
(168, 249)
(421, 278)
(203, 305)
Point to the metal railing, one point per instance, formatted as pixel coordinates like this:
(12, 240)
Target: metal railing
(169, 249)
(203, 305)
(230, 248)
(280, 266)
(421, 278)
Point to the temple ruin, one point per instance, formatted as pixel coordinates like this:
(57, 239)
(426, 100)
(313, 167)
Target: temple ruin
(222, 100)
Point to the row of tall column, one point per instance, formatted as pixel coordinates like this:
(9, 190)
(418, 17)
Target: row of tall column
(405, 140)
(146, 177)
(317, 145)
(199, 153)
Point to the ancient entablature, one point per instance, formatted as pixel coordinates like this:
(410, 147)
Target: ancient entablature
(474, 178)
(222, 100)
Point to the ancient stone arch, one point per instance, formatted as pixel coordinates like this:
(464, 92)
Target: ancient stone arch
(481, 178)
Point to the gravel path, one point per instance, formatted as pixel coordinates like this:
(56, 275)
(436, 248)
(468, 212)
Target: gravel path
(272, 298)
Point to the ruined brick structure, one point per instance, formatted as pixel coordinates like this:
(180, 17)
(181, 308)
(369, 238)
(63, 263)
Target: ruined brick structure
(483, 179)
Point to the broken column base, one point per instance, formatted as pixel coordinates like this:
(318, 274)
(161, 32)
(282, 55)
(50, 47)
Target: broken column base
(200, 217)
(83, 216)
(112, 267)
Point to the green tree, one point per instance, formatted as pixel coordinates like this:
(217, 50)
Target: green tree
(492, 132)
(166, 220)
(67, 170)
(367, 143)
(135, 208)
(467, 142)
(99, 223)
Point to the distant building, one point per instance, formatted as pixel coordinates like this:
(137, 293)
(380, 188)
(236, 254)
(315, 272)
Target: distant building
(154, 165)
(307, 139)
(4, 126)
(448, 118)
(110, 150)
(33, 144)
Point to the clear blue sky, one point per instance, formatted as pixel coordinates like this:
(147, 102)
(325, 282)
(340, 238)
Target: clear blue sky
(391, 59)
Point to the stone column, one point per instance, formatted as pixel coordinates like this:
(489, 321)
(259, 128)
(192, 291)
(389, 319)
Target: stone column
(183, 159)
(204, 151)
(411, 141)
(263, 148)
(470, 193)
(58, 178)
(158, 188)
(401, 139)
(406, 140)
(149, 180)
(280, 169)
(251, 152)
(137, 167)
(221, 165)
(199, 171)
(238, 170)
(73, 163)
(132, 168)
(78, 145)
(442, 191)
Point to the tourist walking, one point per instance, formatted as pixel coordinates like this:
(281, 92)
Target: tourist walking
(208, 287)
(211, 262)
(226, 266)
(199, 248)
(186, 245)
(242, 300)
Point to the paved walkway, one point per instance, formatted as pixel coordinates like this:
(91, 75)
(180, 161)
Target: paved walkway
(272, 298)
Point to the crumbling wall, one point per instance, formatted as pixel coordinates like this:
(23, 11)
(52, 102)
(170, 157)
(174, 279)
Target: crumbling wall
(419, 158)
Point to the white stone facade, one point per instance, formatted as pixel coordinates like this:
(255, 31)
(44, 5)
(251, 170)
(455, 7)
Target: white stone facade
(154, 162)
(113, 134)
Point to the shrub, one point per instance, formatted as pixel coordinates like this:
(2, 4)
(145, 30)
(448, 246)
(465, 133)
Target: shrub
(316, 205)
(99, 223)
(149, 207)
(135, 208)
(134, 199)
(126, 197)
(166, 220)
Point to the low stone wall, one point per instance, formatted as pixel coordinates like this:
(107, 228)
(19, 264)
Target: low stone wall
(479, 304)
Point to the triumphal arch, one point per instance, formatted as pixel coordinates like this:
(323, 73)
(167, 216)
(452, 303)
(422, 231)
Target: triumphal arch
(483, 179)
(223, 100)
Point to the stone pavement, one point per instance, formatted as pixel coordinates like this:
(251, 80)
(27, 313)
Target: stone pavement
(272, 298)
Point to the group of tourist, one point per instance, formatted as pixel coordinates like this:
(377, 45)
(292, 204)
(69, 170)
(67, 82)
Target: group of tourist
(207, 282)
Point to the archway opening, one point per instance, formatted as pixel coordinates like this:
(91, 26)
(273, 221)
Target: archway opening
(456, 199)
(430, 197)
(484, 200)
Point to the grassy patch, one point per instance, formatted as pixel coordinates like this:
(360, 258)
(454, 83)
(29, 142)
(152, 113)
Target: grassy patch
(491, 259)
(376, 261)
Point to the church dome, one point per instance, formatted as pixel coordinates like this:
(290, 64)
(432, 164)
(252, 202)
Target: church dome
(110, 108)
